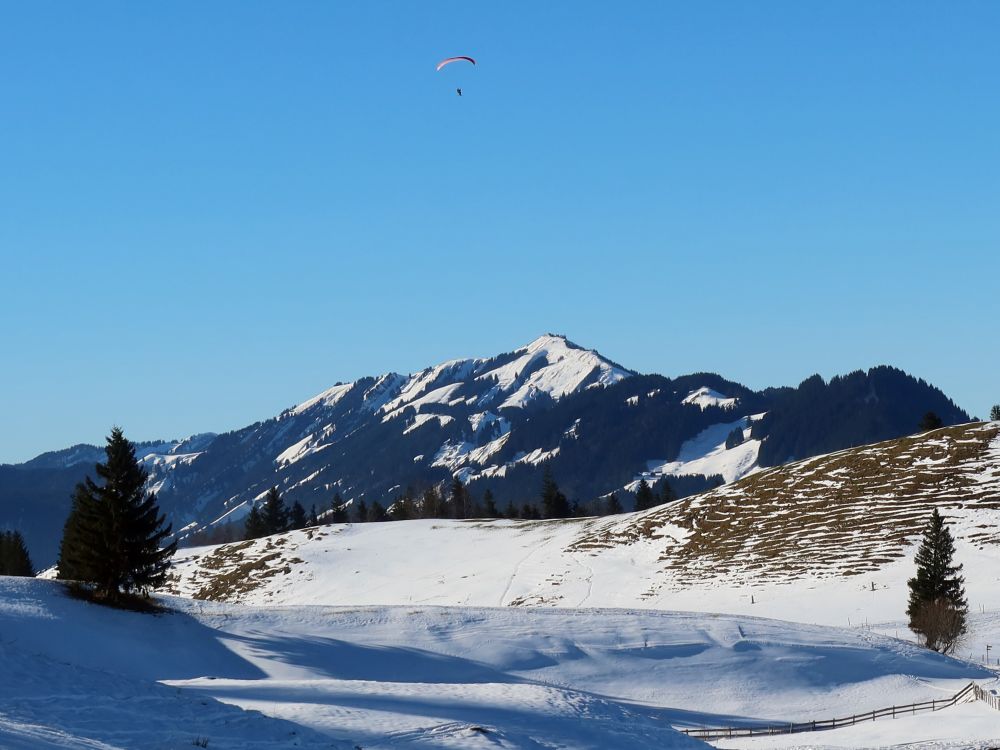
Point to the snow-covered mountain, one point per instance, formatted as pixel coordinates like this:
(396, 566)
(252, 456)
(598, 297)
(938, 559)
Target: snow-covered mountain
(493, 423)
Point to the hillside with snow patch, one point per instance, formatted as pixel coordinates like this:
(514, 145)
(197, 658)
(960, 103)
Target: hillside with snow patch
(827, 540)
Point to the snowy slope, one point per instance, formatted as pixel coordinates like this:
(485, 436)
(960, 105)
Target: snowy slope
(804, 542)
(419, 676)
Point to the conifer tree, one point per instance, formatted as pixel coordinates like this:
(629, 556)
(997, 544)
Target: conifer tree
(489, 505)
(340, 514)
(115, 528)
(274, 513)
(14, 557)
(667, 494)
(554, 502)
(297, 516)
(457, 498)
(362, 512)
(644, 497)
(313, 519)
(930, 421)
(376, 513)
(254, 527)
(510, 511)
(71, 566)
(613, 506)
(937, 607)
(430, 504)
(995, 413)
(401, 508)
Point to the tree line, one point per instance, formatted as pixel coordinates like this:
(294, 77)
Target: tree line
(272, 516)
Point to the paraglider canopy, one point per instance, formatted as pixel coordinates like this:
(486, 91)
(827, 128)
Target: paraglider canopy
(450, 60)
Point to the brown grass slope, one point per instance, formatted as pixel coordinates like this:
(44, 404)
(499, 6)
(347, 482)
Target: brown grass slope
(844, 513)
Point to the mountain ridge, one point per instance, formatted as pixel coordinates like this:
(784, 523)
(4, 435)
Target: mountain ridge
(495, 423)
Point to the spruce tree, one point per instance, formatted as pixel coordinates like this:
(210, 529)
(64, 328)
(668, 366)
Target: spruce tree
(930, 421)
(554, 502)
(14, 557)
(376, 513)
(297, 516)
(115, 528)
(613, 506)
(430, 504)
(457, 498)
(644, 497)
(71, 565)
(254, 527)
(489, 505)
(510, 511)
(402, 508)
(339, 509)
(667, 494)
(362, 512)
(937, 607)
(274, 513)
(313, 519)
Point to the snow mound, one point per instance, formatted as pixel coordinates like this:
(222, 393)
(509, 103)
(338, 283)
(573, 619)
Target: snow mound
(705, 397)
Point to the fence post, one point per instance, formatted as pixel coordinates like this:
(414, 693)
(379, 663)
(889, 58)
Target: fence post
(933, 705)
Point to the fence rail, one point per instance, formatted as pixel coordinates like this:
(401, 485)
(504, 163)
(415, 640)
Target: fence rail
(972, 689)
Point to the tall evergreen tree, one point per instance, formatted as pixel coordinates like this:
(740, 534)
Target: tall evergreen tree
(402, 508)
(667, 494)
(297, 516)
(554, 502)
(362, 512)
(71, 565)
(457, 498)
(937, 607)
(430, 504)
(376, 513)
(274, 513)
(340, 514)
(930, 421)
(313, 519)
(115, 528)
(613, 506)
(14, 557)
(644, 497)
(490, 505)
(510, 511)
(254, 527)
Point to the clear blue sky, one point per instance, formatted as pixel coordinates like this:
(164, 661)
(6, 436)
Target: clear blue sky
(212, 211)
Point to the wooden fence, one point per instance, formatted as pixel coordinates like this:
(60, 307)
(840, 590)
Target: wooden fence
(972, 689)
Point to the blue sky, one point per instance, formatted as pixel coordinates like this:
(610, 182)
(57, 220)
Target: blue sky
(211, 211)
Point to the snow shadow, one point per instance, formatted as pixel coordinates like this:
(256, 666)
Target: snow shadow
(330, 658)
(828, 667)
(40, 617)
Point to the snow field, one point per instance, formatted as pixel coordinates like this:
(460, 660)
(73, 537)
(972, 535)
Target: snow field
(420, 676)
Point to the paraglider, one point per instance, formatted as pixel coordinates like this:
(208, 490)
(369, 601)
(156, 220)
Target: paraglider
(450, 60)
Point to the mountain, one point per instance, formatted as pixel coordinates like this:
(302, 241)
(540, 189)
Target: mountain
(493, 423)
